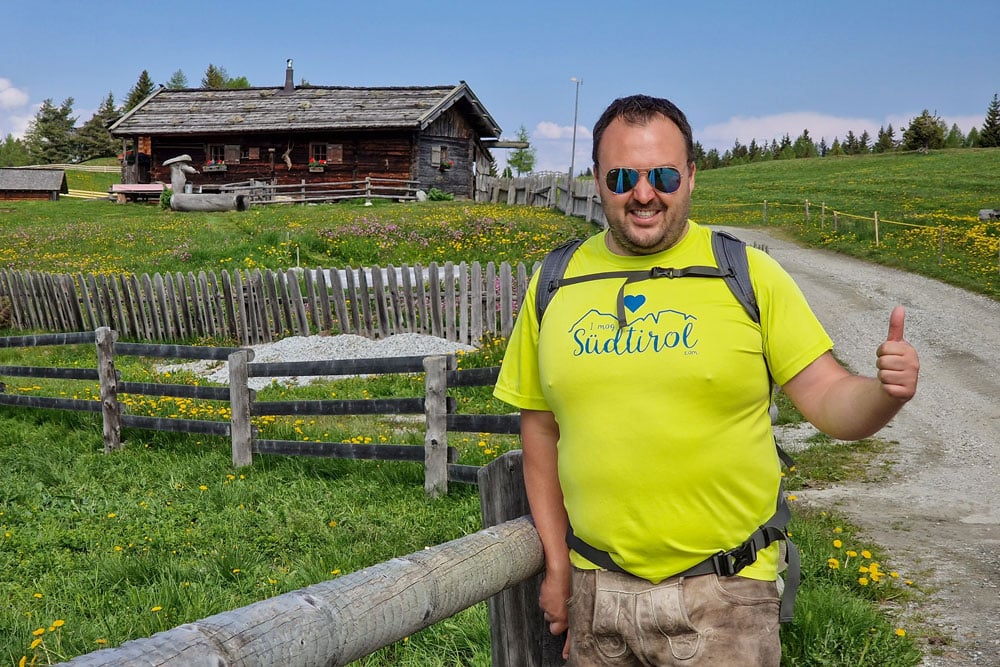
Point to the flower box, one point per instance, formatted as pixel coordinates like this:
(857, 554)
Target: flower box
(214, 167)
(317, 169)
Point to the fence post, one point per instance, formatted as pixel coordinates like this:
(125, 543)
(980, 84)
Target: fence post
(110, 409)
(765, 211)
(940, 244)
(239, 404)
(436, 411)
(876, 229)
(807, 210)
(822, 216)
(518, 632)
(368, 190)
(834, 222)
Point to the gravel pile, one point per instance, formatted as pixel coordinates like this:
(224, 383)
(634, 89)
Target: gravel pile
(312, 348)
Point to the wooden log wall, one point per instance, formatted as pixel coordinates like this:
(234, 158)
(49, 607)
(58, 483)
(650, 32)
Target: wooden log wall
(457, 302)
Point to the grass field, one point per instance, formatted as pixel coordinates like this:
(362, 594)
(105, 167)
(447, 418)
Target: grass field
(98, 549)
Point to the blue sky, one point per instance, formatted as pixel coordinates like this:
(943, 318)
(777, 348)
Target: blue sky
(740, 70)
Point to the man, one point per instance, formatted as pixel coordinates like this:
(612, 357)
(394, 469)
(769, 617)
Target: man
(650, 437)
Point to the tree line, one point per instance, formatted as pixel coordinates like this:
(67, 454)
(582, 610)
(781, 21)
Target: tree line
(53, 136)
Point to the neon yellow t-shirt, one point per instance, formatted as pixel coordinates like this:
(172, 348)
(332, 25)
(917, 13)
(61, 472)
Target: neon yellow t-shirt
(666, 453)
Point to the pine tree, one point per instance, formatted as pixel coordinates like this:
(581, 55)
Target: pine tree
(836, 149)
(972, 139)
(142, 89)
(804, 146)
(955, 138)
(177, 80)
(51, 137)
(13, 152)
(93, 138)
(886, 140)
(523, 159)
(989, 136)
(925, 132)
(215, 77)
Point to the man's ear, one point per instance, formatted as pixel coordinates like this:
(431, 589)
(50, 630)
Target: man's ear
(691, 169)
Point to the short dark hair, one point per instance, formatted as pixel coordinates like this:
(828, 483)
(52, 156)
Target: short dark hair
(639, 109)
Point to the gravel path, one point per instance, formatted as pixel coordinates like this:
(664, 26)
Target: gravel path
(938, 515)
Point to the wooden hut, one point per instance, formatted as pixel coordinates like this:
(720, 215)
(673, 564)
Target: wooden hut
(438, 136)
(32, 184)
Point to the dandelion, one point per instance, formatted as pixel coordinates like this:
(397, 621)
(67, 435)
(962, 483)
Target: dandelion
(866, 554)
(833, 563)
(837, 544)
(863, 581)
(35, 644)
(156, 609)
(900, 632)
(38, 633)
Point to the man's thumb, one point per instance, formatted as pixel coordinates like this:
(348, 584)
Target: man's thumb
(896, 320)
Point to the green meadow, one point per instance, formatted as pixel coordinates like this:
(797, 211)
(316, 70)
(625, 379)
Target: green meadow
(98, 549)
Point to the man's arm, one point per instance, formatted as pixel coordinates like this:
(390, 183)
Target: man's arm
(539, 436)
(851, 407)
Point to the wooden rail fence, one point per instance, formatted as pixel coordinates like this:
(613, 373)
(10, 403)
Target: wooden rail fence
(338, 621)
(457, 302)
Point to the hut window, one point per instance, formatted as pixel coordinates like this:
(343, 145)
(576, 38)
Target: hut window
(215, 153)
(317, 153)
(439, 154)
(335, 153)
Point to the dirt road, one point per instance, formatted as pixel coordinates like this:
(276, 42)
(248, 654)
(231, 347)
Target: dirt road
(939, 514)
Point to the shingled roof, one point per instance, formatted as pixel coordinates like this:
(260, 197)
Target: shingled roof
(223, 111)
(34, 180)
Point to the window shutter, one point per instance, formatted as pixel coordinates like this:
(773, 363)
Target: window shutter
(435, 156)
(232, 154)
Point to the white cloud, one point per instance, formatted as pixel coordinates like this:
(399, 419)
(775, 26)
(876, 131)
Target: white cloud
(11, 97)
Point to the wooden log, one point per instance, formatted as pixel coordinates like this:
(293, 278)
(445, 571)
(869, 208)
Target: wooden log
(506, 300)
(273, 303)
(199, 426)
(476, 303)
(46, 403)
(168, 351)
(518, 632)
(99, 308)
(343, 450)
(340, 303)
(110, 408)
(173, 307)
(339, 621)
(178, 390)
(462, 333)
(408, 299)
(74, 338)
(364, 296)
(379, 298)
(353, 298)
(90, 321)
(240, 410)
(240, 297)
(450, 331)
(401, 325)
(229, 305)
(434, 305)
(53, 373)
(162, 309)
(299, 308)
(412, 364)
(311, 299)
(423, 301)
(123, 323)
(436, 436)
(377, 406)
(323, 292)
(510, 424)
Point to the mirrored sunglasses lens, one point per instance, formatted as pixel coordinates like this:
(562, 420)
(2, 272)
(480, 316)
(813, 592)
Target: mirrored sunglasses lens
(665, 179)
(621, 180)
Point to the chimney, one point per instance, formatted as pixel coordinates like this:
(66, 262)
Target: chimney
(289, 78)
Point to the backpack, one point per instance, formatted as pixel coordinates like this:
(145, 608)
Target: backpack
(733, 267)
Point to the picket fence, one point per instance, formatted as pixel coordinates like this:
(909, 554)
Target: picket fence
(461, 302)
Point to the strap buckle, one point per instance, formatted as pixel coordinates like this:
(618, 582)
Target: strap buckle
(728, 563)
(663, 272)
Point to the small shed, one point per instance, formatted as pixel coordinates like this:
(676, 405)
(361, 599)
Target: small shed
(19, 183)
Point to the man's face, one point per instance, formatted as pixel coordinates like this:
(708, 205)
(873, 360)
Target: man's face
(644, 220)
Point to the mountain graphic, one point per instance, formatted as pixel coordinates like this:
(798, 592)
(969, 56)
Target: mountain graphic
(595, 319)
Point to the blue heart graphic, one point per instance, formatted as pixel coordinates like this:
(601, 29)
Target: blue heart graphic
(634, 303)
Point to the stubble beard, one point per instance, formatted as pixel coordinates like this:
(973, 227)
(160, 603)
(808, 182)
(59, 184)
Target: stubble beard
(673, 229)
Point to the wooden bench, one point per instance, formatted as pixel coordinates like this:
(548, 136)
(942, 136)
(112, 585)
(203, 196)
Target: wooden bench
(124, 192)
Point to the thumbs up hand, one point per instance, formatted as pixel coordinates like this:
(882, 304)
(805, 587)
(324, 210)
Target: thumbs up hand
(897, 363)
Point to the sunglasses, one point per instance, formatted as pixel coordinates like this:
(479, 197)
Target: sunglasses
(622, 179)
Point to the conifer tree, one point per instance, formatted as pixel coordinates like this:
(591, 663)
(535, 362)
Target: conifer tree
(886, 140)
(93, 138)
(13, 152)
(954, 138)
(523, 159)
(177, 80)
(51, 137)
(925, 132)
(142, 89)
(989, 136)
(215, 77)
(972, 139)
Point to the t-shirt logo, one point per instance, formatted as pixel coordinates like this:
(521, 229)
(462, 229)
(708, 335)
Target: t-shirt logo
(597, 331)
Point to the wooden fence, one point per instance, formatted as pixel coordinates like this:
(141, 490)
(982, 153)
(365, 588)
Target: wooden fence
(338, 621)
(549, 191)
(460, 303)
(368, 188)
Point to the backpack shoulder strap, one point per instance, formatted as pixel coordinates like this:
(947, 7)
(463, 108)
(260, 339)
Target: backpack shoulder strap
(731, 256)
(553, 267)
